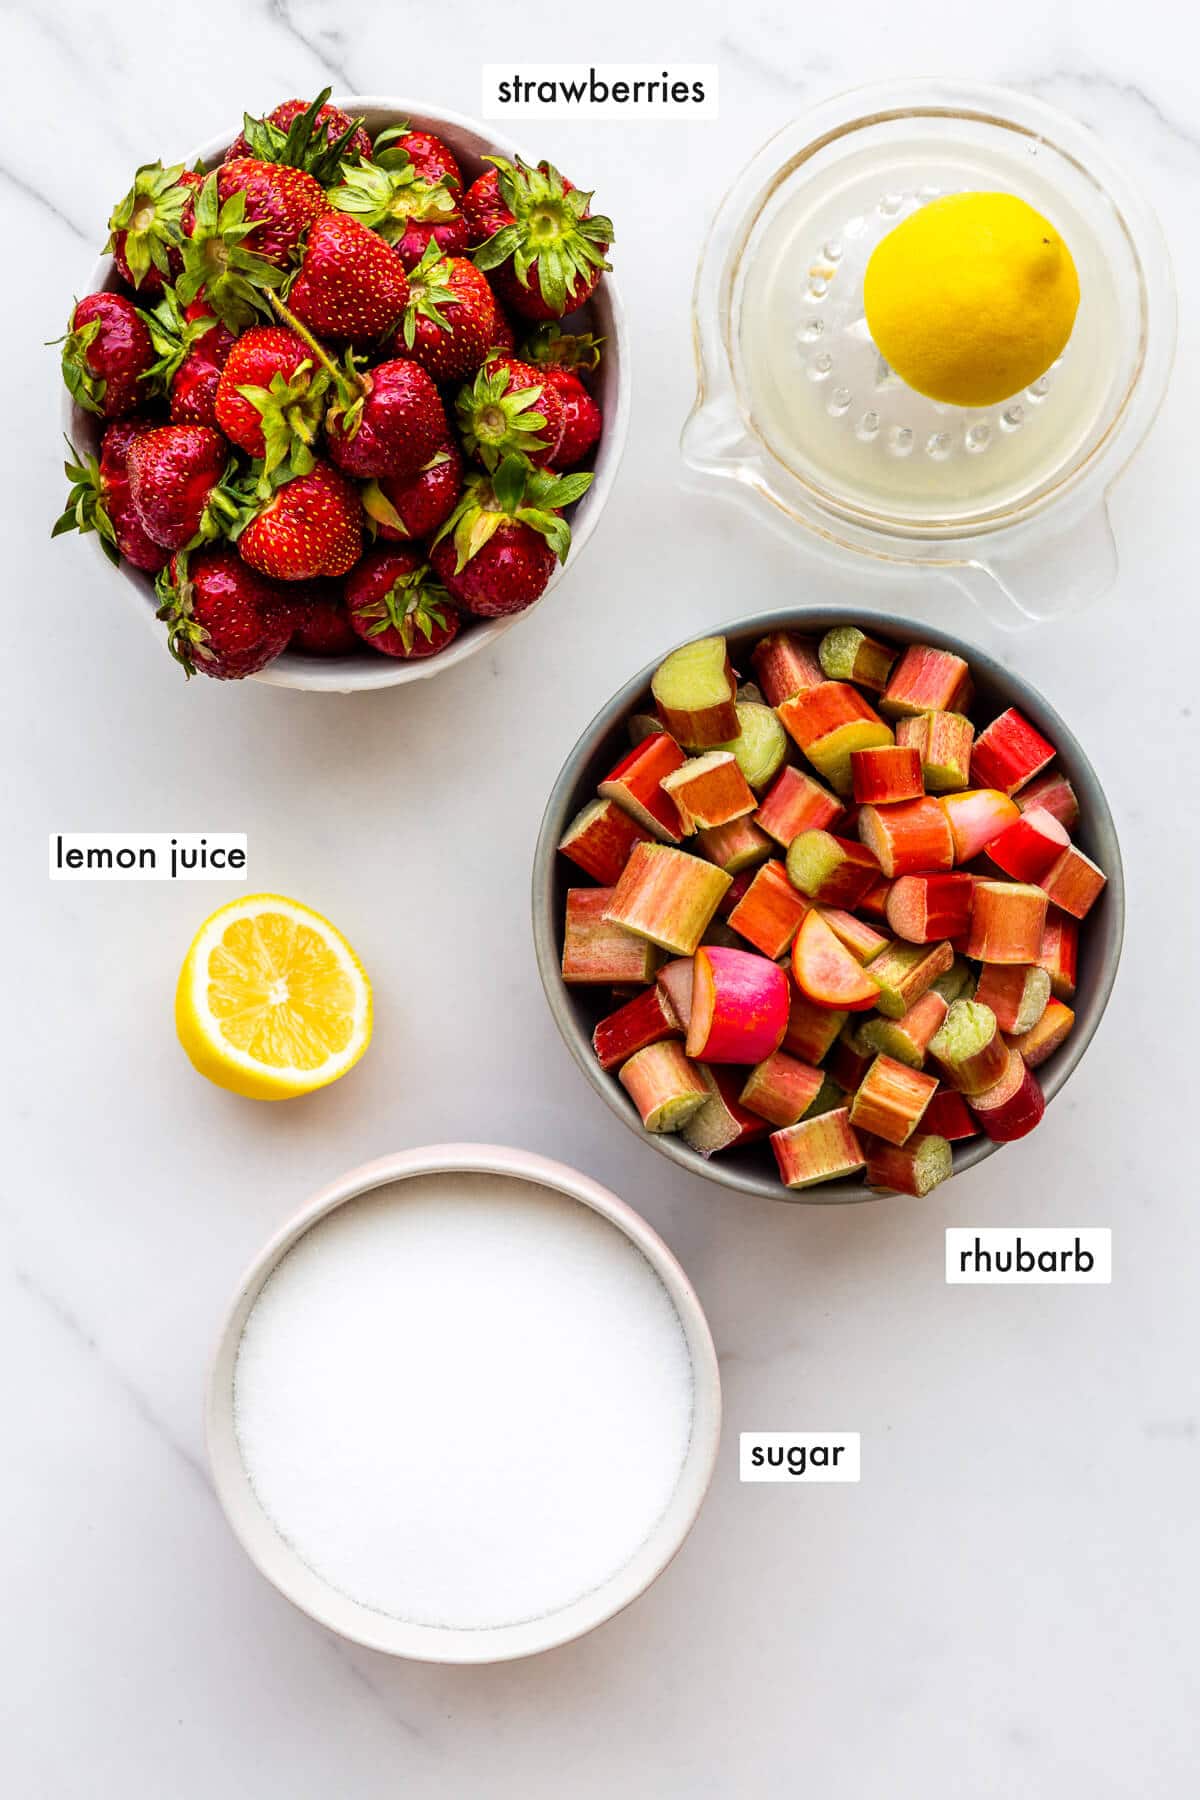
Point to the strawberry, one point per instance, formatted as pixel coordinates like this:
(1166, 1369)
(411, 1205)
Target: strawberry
(388, 420)
(222, 619)
(147, 226)
(221, 260)
(395, 606)
(509, 408)
(413, 506)
(496, 551)
(407, 212)
(192, 347)
(271, 397)
(546, 248)
(282, 202)
(321, 624)
(99, 499)
(351, 284)
(106, 351)
(430, 157)
(174, 472)
(311, 525)
(563, 358)
(449, 319)
(304, 135)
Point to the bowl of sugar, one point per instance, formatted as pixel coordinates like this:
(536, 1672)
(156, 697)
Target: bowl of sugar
(464, 1407)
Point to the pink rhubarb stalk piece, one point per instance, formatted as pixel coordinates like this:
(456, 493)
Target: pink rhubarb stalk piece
(695, 694)
(885, 774)
(796, 802)
(831, 871)
(828, 723)
(1058, 954)
(1009, 753)
(861, 940)
(1013, 1106)
(722, 1123)
(736, 847)
(646, 1019)
(905, 972)
(874, 901)
(891, 1099)
(1029, 847)
(1018, 994)
(924, 909)
(811, 1029)
(817, 1149)
(709, 791)
(675, 980)
(598, 952)
(785, 665)
(913, 1168)
(927, 680)
(1055, 795)
(907, 1039)
(949, 1116)
(636, 785)
(975, 818)
(1008, 919)
(912, 837)
(1073, 882)
(781, 1089)
(664, 1086)
(943, 741)
(667, 896)
(1043, 1039)
(740, 1007)
(599, 839)
(769, 913)
(969, 1047)
(848, 654)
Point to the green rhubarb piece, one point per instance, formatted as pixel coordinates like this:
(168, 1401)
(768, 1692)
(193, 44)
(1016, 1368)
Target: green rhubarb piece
(886, 1037)
(830, 755)
(957, 982)
(762, 745)
(848, 654)
(904, 972)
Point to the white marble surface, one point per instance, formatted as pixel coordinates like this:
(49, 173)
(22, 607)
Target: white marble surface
(1006, 1604)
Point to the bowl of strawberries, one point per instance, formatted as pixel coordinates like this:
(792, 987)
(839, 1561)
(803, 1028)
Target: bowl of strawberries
(344, 392)
(828, 907)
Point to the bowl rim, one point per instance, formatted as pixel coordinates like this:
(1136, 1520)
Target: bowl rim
(280, 1565)
(344, 675)
(565, 799)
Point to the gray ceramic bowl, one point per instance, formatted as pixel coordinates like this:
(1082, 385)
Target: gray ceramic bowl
(751, 1170)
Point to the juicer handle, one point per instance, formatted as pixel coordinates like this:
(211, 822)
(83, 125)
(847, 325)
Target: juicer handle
(1055, 576)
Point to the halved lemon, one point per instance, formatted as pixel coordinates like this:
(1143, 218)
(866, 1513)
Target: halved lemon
(272, 1002)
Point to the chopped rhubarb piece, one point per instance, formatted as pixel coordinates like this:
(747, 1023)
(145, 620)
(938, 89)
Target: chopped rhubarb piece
(597, 951)
(831, 870)
(949, 1116)
(861, 940)
(829, 722)
(927, 680)
(923, 909)
(1028, 847)
(600, 838)
(891, 1099)
(848, 654)
(710, 790)
(907, 1039)
(667, 896)
(1043, 1039)
(830, 1097)
(850, 1057)
(1073, 882)
(956, 982)
(1007, 922)
(905, 972)
(785, 665)
(648, 1019)
(736, 888)
(782, 1089)
(675, 980)
(1009, 753)
(769, 913)
(635, 784)
(975, 818)
(909, 838)
(1055, 795)
(722, 1123)
(695, 694)
(739, 1006)
(885, 774)
(943, 742)
(762, 745)
(817, 1149)
(811, 1029)
(970, 1048)
(1013, 1105)
(913, 1168)
(737, 847)
(794, 803)
(643, 726)
(664, 1086)
(825, 971)
(1018, 994)
(1059, 954)
(874, 901)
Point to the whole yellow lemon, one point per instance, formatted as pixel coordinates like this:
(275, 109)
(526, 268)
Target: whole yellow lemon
(971, 298)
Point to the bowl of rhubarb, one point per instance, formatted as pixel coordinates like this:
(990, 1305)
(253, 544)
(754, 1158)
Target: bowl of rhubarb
(828, 907)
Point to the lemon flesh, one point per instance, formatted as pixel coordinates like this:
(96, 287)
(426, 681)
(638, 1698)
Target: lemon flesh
(272, 1002)
(972, 298)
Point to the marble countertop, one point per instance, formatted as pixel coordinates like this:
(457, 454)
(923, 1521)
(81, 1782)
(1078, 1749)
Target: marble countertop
(1006, 1603)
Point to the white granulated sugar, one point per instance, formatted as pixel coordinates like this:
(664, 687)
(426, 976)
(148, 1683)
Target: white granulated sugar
(464, 1400)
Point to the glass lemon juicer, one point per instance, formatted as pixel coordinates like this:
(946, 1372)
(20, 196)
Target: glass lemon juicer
(798, 411)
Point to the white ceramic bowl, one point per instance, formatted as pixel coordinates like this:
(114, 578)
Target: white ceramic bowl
(603, 314)
(429, 1643)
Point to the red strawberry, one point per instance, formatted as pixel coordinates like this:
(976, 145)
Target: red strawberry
(237, 245)
(321, 625)
(271, 396)
(223, 620)
(544, 246)
(389, 422)
(305, 135)
(283, 203)
(391, 198)
(192, 347)
(448, 322)
(496, 551)
(310, 526)
(147, 226)
(509, 408)
(397, 608)
(563, 359)
(173, 471)
(430, 157)
(99, 499)
(105, 353)
(351, 284)
(413, 506)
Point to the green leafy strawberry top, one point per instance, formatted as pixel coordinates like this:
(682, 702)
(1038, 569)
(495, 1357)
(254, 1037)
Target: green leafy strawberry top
(495, 423)
(215, 260)
(172, 335)
(305, 144)
(151, 218)
(414, 602)
(388, 199)
(549, 231)
(548, 346)
(515, 494)
(85, 509)
(291, 408)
